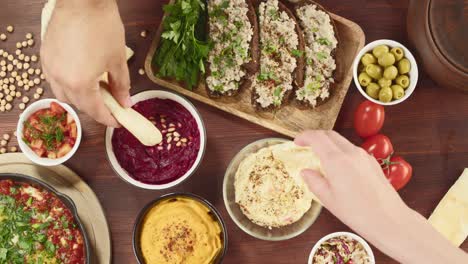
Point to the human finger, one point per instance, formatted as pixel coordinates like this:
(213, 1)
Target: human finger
(92, 104)
(119, 83)
(317, 184)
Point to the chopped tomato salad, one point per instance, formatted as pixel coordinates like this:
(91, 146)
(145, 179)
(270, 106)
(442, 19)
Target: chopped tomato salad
(50, 132)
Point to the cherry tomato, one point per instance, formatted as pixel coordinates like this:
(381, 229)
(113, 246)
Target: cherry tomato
(378, 146)
(368, 119)
(399, 172)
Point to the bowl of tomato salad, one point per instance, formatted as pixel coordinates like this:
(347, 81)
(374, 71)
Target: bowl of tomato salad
(49, 132)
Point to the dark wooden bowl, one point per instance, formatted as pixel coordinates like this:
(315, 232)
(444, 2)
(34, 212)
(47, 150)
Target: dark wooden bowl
(438, 29)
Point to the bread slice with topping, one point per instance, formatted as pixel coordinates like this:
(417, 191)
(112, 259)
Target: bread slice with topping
(321, 41)
(281, 60)
(234, 57)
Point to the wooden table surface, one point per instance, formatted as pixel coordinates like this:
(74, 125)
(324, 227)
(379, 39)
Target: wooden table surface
(429, 130)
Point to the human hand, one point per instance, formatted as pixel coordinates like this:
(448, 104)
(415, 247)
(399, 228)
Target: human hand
(354, 188)
(84, 39)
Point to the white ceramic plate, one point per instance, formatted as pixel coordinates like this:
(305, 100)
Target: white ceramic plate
(162, 95)
(31, 109)
(413, 74)
(347, 234)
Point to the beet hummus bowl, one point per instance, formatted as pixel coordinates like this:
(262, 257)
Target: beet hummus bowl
(175, 158)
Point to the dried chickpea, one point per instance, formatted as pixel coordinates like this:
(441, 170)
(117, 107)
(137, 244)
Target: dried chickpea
(39, 90)
(33, 58)
(22, 106)
(24, 75)
(30, 71)
(18, 52)
(10, 28)
(141, 72)
(3, 150)
(13, 149)
(30, 42)
(18, 45)
(18, 94)
(37, 81)
(30, 83)
(24, 44)
(6, 137)
(27, 58)
(38, 71)
(3, 142)
(8, 107)
(29, 36)
(25, 99)
(3, 37)
(36, 96)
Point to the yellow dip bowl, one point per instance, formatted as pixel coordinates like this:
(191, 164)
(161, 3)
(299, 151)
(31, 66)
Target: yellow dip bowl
(179, 228)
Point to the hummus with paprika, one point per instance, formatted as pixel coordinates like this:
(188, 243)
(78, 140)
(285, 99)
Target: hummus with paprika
(180, 230)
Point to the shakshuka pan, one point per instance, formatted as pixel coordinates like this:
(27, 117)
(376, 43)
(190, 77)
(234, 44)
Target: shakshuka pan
(37, 227)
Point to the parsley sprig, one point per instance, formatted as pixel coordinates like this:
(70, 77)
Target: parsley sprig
(183, 47)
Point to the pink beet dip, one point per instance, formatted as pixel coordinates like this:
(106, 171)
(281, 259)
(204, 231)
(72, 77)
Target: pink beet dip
(169, 160)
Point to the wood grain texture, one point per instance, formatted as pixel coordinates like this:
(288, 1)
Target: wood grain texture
(429, 130)
(289, 120)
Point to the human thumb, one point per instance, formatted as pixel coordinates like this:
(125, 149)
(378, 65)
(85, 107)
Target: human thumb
(317, 184)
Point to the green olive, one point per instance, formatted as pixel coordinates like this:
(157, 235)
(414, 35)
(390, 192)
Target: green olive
(398, 91)
(368, 59)
(373, 90)
(374, 71)
(403, 81)
(404, 66)
(379, 50)
(386, 59)
(383, 82)
(364, 79)
(386, 94)
(390, 72)
(398, 52)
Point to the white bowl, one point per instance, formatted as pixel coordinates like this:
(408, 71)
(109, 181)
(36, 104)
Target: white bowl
(413, 74)
(348, 234)
(31, 109)
(193, 111)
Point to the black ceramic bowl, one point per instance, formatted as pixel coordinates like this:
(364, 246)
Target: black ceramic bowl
(144, 211)
(65, 199)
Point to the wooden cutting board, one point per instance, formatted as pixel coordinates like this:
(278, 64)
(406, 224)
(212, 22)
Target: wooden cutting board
(289, 120)
(67, 182)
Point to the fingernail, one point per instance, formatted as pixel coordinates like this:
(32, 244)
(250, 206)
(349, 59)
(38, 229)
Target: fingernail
(128, 102)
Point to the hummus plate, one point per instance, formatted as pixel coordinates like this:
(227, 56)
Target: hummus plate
(297, 227)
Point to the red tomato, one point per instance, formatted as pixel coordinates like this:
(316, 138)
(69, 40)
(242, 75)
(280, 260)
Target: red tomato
(399, 172)
(56, 108)
(368, 119)
(378, 146)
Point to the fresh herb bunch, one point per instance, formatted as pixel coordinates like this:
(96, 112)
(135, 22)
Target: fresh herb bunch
(183, 47)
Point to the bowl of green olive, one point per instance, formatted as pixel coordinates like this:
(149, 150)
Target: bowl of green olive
(385, 72)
